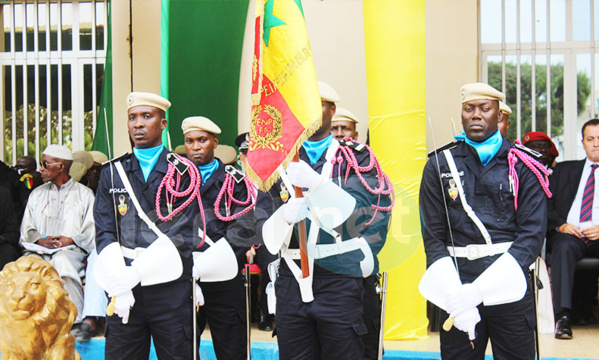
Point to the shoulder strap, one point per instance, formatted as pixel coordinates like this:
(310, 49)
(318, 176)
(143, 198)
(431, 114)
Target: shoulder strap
(140, 212)
(467, 208)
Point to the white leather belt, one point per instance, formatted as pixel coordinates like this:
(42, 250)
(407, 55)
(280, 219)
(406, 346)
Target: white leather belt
(477, 251)
(292, 253)
(132, 253)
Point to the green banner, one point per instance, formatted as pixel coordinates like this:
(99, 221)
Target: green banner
(103, 139)
(200, 70)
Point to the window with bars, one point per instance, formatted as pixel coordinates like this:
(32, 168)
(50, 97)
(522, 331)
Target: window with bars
(52, 59)
(542, 55)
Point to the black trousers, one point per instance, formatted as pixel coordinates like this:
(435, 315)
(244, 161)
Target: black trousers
(329, 328)
(162, 313)
(224, 311)
(566, 250)
(510, 327)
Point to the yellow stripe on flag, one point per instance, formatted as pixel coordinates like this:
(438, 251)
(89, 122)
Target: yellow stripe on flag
(286, 106)
(394, 35)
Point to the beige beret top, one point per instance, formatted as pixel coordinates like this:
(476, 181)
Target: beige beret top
(342, 114)
(504, 108)
(480, 91)
(199, 123)
(137, 98)
(327, 93)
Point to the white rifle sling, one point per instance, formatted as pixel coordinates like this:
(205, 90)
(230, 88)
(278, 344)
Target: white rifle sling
(160, 262)
(456, 177)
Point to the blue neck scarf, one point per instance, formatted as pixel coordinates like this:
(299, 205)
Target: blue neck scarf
(207, 170)
(487, 149)
(148, 158)
(315, 149)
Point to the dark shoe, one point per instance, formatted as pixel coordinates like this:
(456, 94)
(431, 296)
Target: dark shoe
(265, 323)
(563, 329)
(85, 333)
(76, 329)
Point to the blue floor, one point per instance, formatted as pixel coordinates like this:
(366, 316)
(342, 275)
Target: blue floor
(94, 350)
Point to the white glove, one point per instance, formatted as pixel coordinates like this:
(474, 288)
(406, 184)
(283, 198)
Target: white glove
(302, 175)
(123, 304)
(463, 299)
(467, 321)
(123, 282)
(199, 296)
(295, 210)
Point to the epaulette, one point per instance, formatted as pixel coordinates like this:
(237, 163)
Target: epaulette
(237, 174)
(357, 146)
(536, 155)
(451, 145)
(118, 158)
(178, 164)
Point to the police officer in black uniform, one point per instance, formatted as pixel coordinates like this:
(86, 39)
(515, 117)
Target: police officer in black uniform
(320, 317)
(222, 186)
(493, 245)
(148, 276)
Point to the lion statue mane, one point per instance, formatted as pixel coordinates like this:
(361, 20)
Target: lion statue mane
(36, 314)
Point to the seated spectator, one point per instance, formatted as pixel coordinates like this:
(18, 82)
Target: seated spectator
(542, 144)
(94, 298)
(9, 178)
(27, 169)
(9, 229)
(59, 216)
(573, 224)
(93, 174)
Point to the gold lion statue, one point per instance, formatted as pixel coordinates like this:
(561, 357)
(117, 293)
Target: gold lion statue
(36, 314)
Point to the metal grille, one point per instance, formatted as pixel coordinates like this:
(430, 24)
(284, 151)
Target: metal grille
(52, 56)
(541, 54)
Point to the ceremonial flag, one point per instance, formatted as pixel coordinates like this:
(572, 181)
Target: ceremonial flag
(286, 107)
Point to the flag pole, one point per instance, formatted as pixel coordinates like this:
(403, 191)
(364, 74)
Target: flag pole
(302, 233)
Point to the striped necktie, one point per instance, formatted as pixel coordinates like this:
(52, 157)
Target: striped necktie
(586, 209)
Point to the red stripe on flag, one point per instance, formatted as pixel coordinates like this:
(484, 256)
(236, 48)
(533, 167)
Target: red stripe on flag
(274, 127)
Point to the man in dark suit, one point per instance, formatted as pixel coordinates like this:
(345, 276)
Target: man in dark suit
(573, 223)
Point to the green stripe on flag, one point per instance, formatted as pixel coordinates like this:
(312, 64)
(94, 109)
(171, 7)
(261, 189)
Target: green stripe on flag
(204, 57)
(103, 140)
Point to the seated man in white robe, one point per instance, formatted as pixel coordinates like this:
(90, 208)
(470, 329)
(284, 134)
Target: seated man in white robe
(59, 218)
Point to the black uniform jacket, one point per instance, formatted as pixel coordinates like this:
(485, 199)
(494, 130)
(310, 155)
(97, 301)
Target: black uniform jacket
(563, 184)
(488, 192)
(116, 217)
(355, 226)
(240, 233)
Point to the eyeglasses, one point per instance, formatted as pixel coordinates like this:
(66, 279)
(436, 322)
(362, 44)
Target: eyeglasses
(45, 164)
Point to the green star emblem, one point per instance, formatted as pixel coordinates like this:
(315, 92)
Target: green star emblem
(299, 5)
(270, 20)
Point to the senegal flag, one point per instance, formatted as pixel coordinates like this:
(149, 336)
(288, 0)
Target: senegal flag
(286, 106)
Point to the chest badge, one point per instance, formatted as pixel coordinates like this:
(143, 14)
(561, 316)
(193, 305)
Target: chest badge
(122, 207)
(453, 190)
(284, 193)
